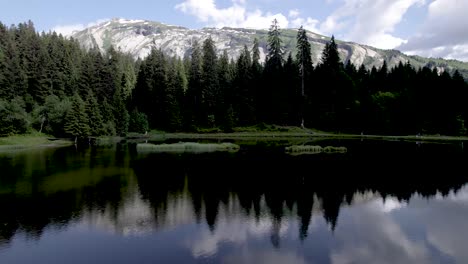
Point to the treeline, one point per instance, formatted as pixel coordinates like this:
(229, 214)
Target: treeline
(48, 83)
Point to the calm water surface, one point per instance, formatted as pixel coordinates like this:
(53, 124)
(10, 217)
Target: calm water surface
(381, 202)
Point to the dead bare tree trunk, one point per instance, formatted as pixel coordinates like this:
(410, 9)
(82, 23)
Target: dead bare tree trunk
(42, 124)
(302, 94)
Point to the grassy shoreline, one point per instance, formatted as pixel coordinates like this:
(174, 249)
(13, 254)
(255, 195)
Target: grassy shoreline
(298, 133)
(38, 140)
(31, 141)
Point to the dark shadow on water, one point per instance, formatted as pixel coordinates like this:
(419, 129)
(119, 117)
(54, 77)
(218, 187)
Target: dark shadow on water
(54, 187)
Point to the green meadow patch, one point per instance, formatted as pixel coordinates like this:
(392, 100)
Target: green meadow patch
(36, 140)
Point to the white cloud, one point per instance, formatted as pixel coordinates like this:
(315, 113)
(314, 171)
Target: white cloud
(294, 13)
(307, 23)
(67, 30)
(370, 22)
(443, 34)
(237, 15)
(371, 235)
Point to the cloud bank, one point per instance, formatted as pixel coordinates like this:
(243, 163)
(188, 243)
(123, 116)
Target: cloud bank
(237, 15)
(68, 30)
(370, 22)
(443, 33)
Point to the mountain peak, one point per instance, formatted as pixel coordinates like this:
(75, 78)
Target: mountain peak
(138, 37)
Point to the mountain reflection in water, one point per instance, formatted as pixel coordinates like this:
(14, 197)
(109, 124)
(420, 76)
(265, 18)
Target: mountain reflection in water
(378, 203)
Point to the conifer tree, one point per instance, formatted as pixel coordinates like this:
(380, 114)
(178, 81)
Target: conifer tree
(275, 46)
(193, 115)
(226, 93)
(304, 59)
(291, 106)
(210, 82)
(330, 56)
(174, 93)
(121, 116)
(138, 122)
(244, 92)
(76, 120)
(256, 77)
(94, 115)
(273, 88)
(108, 117)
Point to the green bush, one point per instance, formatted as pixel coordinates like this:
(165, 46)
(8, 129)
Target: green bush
(138, 122)
(13, 117)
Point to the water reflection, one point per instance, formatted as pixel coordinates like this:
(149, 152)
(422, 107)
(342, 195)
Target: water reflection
(258, 205)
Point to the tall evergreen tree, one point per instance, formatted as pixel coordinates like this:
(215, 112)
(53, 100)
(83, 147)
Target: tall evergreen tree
(121, 116)
(193, 115)
(94, 115)
(330, 56)
(335, 90)
(151, 88)
(304, 59)
(256, 78)
(273, 88)
(76, 121)
(292, 104)
(226, 93)
(275, 46)
(6, 88)
(174, 96)
(210, 82)
(244, 91)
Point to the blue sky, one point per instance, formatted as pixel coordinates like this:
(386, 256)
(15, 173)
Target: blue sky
(437, 28)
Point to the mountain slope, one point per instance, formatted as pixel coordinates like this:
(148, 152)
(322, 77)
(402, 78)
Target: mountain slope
(138, 37)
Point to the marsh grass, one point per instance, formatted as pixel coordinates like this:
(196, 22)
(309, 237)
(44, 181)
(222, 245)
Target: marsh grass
(307, 149)
(188, 147)
(28, 141)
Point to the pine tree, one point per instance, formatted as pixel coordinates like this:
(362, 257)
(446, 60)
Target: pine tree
(256, 53)
(210, 82)
(292, 104)
(273, 89)
(121, 116)
(304, 59)
(151, 89)
(244, 93)
(331, 57)
(174, 95)
(138, 122)
(109, 120)
(275, 47)
(193, 114)
(6, 74)
(334, 91)
(55, 114)
(256, 78)
(76, 121)
(94, 114)
(226, 93)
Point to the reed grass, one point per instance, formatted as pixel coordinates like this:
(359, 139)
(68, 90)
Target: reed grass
(188, 147)
(308, 149)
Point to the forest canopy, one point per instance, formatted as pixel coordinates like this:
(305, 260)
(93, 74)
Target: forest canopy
(48, 83)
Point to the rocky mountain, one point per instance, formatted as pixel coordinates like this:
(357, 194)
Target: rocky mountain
(138, 37)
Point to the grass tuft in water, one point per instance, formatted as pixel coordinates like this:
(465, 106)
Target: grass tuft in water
(188, 147)
(305, 149)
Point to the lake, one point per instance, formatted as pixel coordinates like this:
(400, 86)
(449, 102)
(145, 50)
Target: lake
(377, 202)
